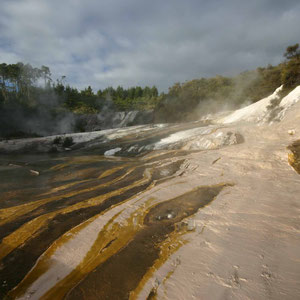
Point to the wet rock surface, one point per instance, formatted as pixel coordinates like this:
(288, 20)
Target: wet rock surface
(195, 212)
(107, 282)
(67, 206)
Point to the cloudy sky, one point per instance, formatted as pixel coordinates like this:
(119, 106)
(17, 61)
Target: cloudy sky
(140, 42)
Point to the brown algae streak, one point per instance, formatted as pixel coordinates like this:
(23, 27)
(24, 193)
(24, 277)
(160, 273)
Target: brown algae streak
(121, 274)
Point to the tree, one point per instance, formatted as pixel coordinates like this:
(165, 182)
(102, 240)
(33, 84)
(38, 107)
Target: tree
(138, 92)
(46, 74)
(154, 91)
(3, 78)
(88, 92)
(290, 74)
(100, 94)
(292, 52)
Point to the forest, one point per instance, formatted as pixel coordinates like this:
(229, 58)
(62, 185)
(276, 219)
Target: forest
(29, 95)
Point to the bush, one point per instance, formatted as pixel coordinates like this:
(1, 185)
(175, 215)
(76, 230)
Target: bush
(57, 140)
(68, 142)
(80, 125)
(291, 74)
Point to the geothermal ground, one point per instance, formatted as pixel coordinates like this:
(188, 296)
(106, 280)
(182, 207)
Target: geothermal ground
(203, 210)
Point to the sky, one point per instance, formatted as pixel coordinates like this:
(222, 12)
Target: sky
(141, 42)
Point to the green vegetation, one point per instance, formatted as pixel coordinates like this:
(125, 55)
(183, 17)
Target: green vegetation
(21, 84)
(207, 95)
(290, 75)
(201, 96)
(68, 142)
(57, 140)
(31, 102)
(28, 95)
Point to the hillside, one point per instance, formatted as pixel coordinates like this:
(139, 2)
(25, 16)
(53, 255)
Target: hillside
(32, 104)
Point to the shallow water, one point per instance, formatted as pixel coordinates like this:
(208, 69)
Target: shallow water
(37, 210)
(48, 201)
(122, 272)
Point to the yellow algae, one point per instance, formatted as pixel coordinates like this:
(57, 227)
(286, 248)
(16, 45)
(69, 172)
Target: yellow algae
(172, 243)
(120, 236)
(170, 273)
(104, 174)
(83, 160)
(118, 178)
(60, 166)
(168, 276)
(97, 200)
(11, 213)
(294, 157)
(111, 239)
(64, 187)
(167, 248)
(98, 253)
(76, 174)
(44, 263)
(78, 160)
(294, 161)
(155, 154)
(111, 171)
(22, 234)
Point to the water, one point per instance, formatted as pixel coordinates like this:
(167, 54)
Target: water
(83, 203)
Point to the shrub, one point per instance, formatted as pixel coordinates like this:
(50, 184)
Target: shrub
(68, 141)
(57, 140)
(291, 74)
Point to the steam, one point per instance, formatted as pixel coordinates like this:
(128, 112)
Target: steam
(236, 100)
(46, 117)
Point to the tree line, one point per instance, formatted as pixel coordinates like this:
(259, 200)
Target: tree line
(206, 95)
(23, 83)
(27, 91)
(86, 101)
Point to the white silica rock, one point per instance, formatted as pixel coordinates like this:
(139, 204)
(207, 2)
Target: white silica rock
(191, 225)
(265, 110)
(182, 136)
(292, 98)
(112, 152)
(215, 140)
(288, 101)
(255, 112)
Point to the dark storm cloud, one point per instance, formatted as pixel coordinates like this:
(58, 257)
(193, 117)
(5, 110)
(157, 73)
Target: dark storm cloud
(134, 42)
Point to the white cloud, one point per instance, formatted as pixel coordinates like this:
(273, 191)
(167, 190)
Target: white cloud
(132, 42)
